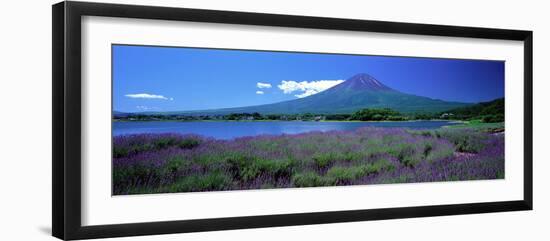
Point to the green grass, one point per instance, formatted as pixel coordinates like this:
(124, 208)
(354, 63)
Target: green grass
(478, 125)
(310, 179)
(210, 181)
(348, 174)
(248, 168)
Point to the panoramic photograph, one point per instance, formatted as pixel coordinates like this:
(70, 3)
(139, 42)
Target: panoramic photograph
(201, 119)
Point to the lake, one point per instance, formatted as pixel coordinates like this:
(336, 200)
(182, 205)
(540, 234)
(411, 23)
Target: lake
(234, 129)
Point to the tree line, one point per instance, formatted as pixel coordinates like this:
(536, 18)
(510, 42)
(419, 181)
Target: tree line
(492, 111)
(360, 115)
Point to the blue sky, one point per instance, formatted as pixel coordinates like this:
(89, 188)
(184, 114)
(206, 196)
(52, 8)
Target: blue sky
(177, 79)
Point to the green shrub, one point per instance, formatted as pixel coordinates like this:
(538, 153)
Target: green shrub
(174, 164)
(464, 139)
(399, 179)
(137, 174)
(210, 181)
(493, 118)
(241, 166)
(428, 147)
(382, 165)
(440, 154)
(343, 174)
(309, 179)
(277, 168)
(410, 161)
(375, 114)
(247, 168)
(130, 150)
(164, 142)
(156, 144)
(120, 152)
(406, 153)
(353, 156)
(346, 174)
(323, 160)
(188, 143)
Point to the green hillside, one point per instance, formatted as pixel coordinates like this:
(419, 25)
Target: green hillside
(492, 111)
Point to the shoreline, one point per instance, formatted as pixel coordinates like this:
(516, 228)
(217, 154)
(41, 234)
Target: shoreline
(352, 121)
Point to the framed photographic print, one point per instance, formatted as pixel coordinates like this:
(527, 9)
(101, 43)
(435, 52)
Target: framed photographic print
(170, 120)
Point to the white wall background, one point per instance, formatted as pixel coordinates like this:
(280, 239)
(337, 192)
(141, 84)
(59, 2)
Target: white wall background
(25, 122)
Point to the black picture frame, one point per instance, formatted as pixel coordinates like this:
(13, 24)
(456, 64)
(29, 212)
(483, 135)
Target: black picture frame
(66, 75)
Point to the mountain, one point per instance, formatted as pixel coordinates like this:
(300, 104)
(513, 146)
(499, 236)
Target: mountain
(358, 92)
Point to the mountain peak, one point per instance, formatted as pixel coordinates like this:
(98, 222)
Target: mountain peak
(363, 82)
(362, 76)
(358, 92)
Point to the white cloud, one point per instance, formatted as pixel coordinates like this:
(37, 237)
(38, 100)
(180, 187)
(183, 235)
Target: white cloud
(263, 85)
(259, 92)
(147, 96)
(306, 88)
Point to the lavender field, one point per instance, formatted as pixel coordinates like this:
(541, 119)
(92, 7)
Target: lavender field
(162, 163)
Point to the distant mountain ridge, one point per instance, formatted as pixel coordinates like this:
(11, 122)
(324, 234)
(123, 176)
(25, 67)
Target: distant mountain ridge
(358, 92)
